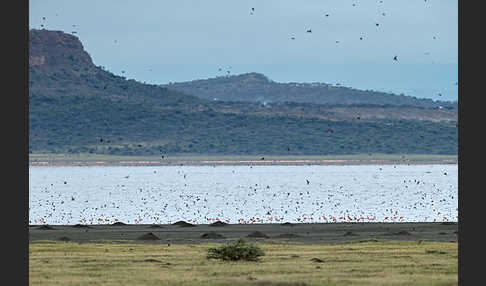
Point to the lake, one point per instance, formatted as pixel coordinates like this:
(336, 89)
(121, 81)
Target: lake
(242, 194)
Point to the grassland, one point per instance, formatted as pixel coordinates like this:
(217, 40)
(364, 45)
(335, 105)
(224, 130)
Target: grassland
(353, 263)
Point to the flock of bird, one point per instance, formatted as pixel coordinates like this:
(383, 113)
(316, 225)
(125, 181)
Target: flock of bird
(251, 203)
(395, 58)
(163, 196)
(227, 71)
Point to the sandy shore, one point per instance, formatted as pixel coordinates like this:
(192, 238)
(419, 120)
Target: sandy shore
(304, 233)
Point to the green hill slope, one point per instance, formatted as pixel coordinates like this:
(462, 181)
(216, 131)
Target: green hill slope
(75, 106)
(255, 87)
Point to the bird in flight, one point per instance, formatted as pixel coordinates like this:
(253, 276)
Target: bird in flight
(292, 38)
(395, 58)
(309, 31)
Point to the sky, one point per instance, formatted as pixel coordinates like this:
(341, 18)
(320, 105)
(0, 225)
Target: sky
(162, 41)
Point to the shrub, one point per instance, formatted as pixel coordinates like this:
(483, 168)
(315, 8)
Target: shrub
(234, 251)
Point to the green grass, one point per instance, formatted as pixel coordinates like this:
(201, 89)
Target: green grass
(366, 263)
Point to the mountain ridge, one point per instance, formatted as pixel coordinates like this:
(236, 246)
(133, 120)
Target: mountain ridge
(256, 87)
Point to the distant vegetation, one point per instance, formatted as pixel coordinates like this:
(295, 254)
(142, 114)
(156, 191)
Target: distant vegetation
(255, 87)
(76, 107)
(99, 125)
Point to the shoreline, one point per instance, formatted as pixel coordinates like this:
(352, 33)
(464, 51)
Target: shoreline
(183, 232)
(202, 160)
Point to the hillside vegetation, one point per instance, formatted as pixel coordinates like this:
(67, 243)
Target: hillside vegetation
(75, 106)
(255, 87)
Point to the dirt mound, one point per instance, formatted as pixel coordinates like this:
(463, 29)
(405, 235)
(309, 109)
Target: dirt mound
(46, 227)
(149, 236)
(81, 226)
(315, 259)
(287, 224)
(448, 223)
(350, 233)
(401, 232)
(257, 234)
(212, 235)
(287, 235)
(64, 238)
(367, 240)
(182, 223)
(218, 223)
(151, 260)
(118, 223)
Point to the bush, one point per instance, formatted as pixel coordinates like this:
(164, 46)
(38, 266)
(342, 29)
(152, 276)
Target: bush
(239, 250)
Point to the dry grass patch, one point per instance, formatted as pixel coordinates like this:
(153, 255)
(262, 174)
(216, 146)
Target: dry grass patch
(284, 264)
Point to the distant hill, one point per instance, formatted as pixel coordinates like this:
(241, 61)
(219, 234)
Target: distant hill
(59, 66)
(75, 106)
(255, 87)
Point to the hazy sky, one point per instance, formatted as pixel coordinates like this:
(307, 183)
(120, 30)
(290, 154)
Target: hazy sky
(158, 41)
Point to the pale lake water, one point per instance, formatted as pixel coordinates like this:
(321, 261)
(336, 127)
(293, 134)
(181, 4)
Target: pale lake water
(242, 194)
